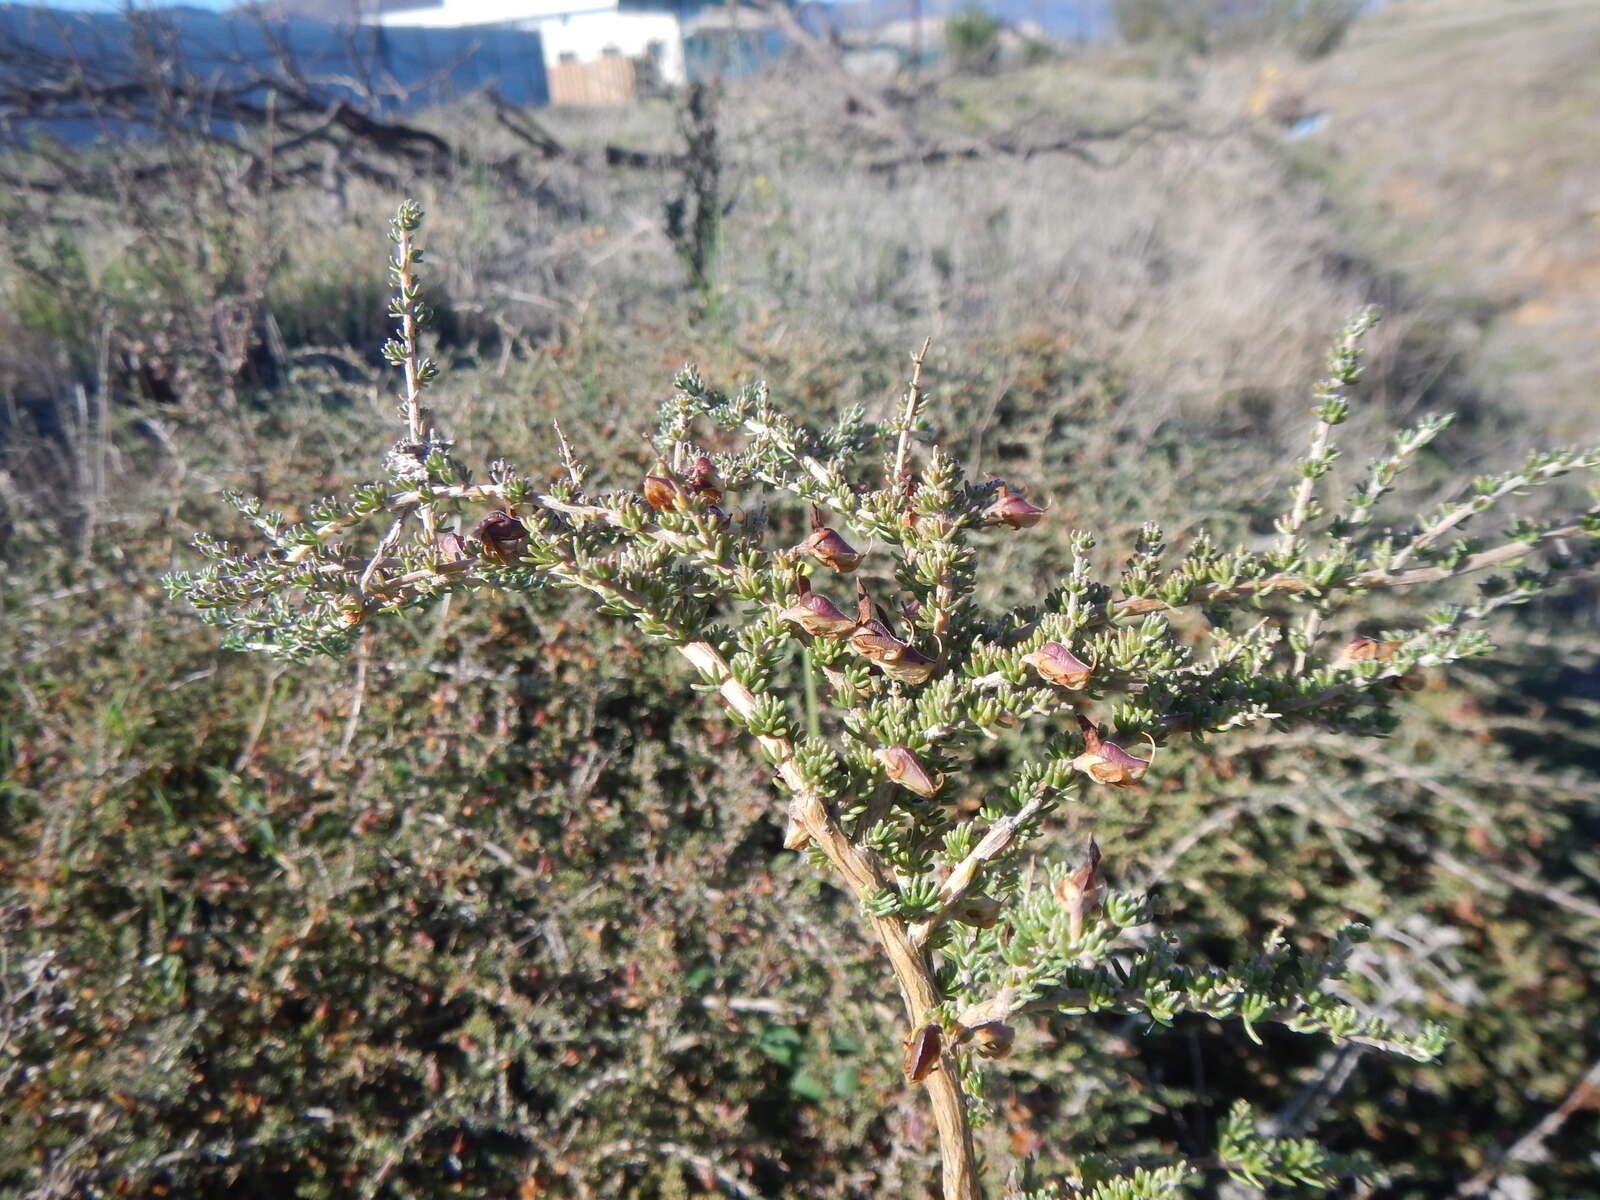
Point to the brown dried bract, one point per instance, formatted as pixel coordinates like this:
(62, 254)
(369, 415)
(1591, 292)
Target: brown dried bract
(502, 535)
(906, 769)
(828, 548)
(923, 1049)
(1059, 665)
(1106, 762)
(1012, 511)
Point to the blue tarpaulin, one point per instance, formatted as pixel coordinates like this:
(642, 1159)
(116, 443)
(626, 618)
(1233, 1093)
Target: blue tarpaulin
(393, 68)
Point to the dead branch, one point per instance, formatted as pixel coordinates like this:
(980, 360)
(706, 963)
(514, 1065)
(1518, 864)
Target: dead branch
(890, 120)
(1129, 135)
(517, 121)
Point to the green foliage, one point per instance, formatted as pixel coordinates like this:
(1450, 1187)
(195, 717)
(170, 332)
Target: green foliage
(1070, 356)
(916, 695)
(695, 212)
(972, 39)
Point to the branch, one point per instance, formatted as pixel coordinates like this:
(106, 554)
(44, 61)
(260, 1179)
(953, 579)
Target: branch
(1073, 144)
(914, 398)
(1530, 1145)
(887, 117)
(996, 842)
(516, 120)
(1482, 561)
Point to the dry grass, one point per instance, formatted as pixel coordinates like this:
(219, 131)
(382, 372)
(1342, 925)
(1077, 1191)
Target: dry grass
(1469, 133)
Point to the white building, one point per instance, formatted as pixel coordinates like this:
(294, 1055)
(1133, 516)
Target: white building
(573, 31)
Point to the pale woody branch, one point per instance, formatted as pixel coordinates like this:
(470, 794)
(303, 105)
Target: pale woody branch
(964, 876)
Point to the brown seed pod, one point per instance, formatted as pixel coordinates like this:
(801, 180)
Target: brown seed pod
(1106, 762)
(1012, 511)
(1080, 890)
(1059, 665)
(922, 1053)
(703, 483)
(502, 535)
(907, 770)
(818, 615)
(828, 548)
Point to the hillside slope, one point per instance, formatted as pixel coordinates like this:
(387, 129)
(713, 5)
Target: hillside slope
(1467, 137)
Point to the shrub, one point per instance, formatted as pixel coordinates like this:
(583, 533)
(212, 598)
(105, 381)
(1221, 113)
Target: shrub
(885, 783)
(1311, 28)
(972, 39)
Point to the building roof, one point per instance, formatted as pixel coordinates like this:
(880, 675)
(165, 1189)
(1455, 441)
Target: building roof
(332, 12)
(456, 13)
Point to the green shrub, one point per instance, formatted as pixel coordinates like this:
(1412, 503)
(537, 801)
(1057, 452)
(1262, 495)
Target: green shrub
(888, 785)
(972, 39)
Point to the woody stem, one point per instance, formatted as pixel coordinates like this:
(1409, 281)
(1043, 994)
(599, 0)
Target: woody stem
(914, 972)
(865, 876)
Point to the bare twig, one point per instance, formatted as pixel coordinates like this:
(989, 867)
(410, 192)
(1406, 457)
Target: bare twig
(908, 419)
(964, 876)
(1530, 1146)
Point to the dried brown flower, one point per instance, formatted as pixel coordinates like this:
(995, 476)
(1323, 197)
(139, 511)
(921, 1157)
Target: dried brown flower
(907, 770)
(502, 535)
(703, 482)
(874, 641)
(828, 548)
(981, 912)
(1372, 650)
(1106, 762)
(1059, 665)
(1080, 890)
(922, 1053)
(1366, 650)
(795, 836)
(662, 491)
(451, 547)
(818, 615)
(1012, 511)
(993, 1039)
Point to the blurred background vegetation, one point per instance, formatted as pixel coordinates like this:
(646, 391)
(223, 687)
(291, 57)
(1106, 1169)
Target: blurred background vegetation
(489, 910)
